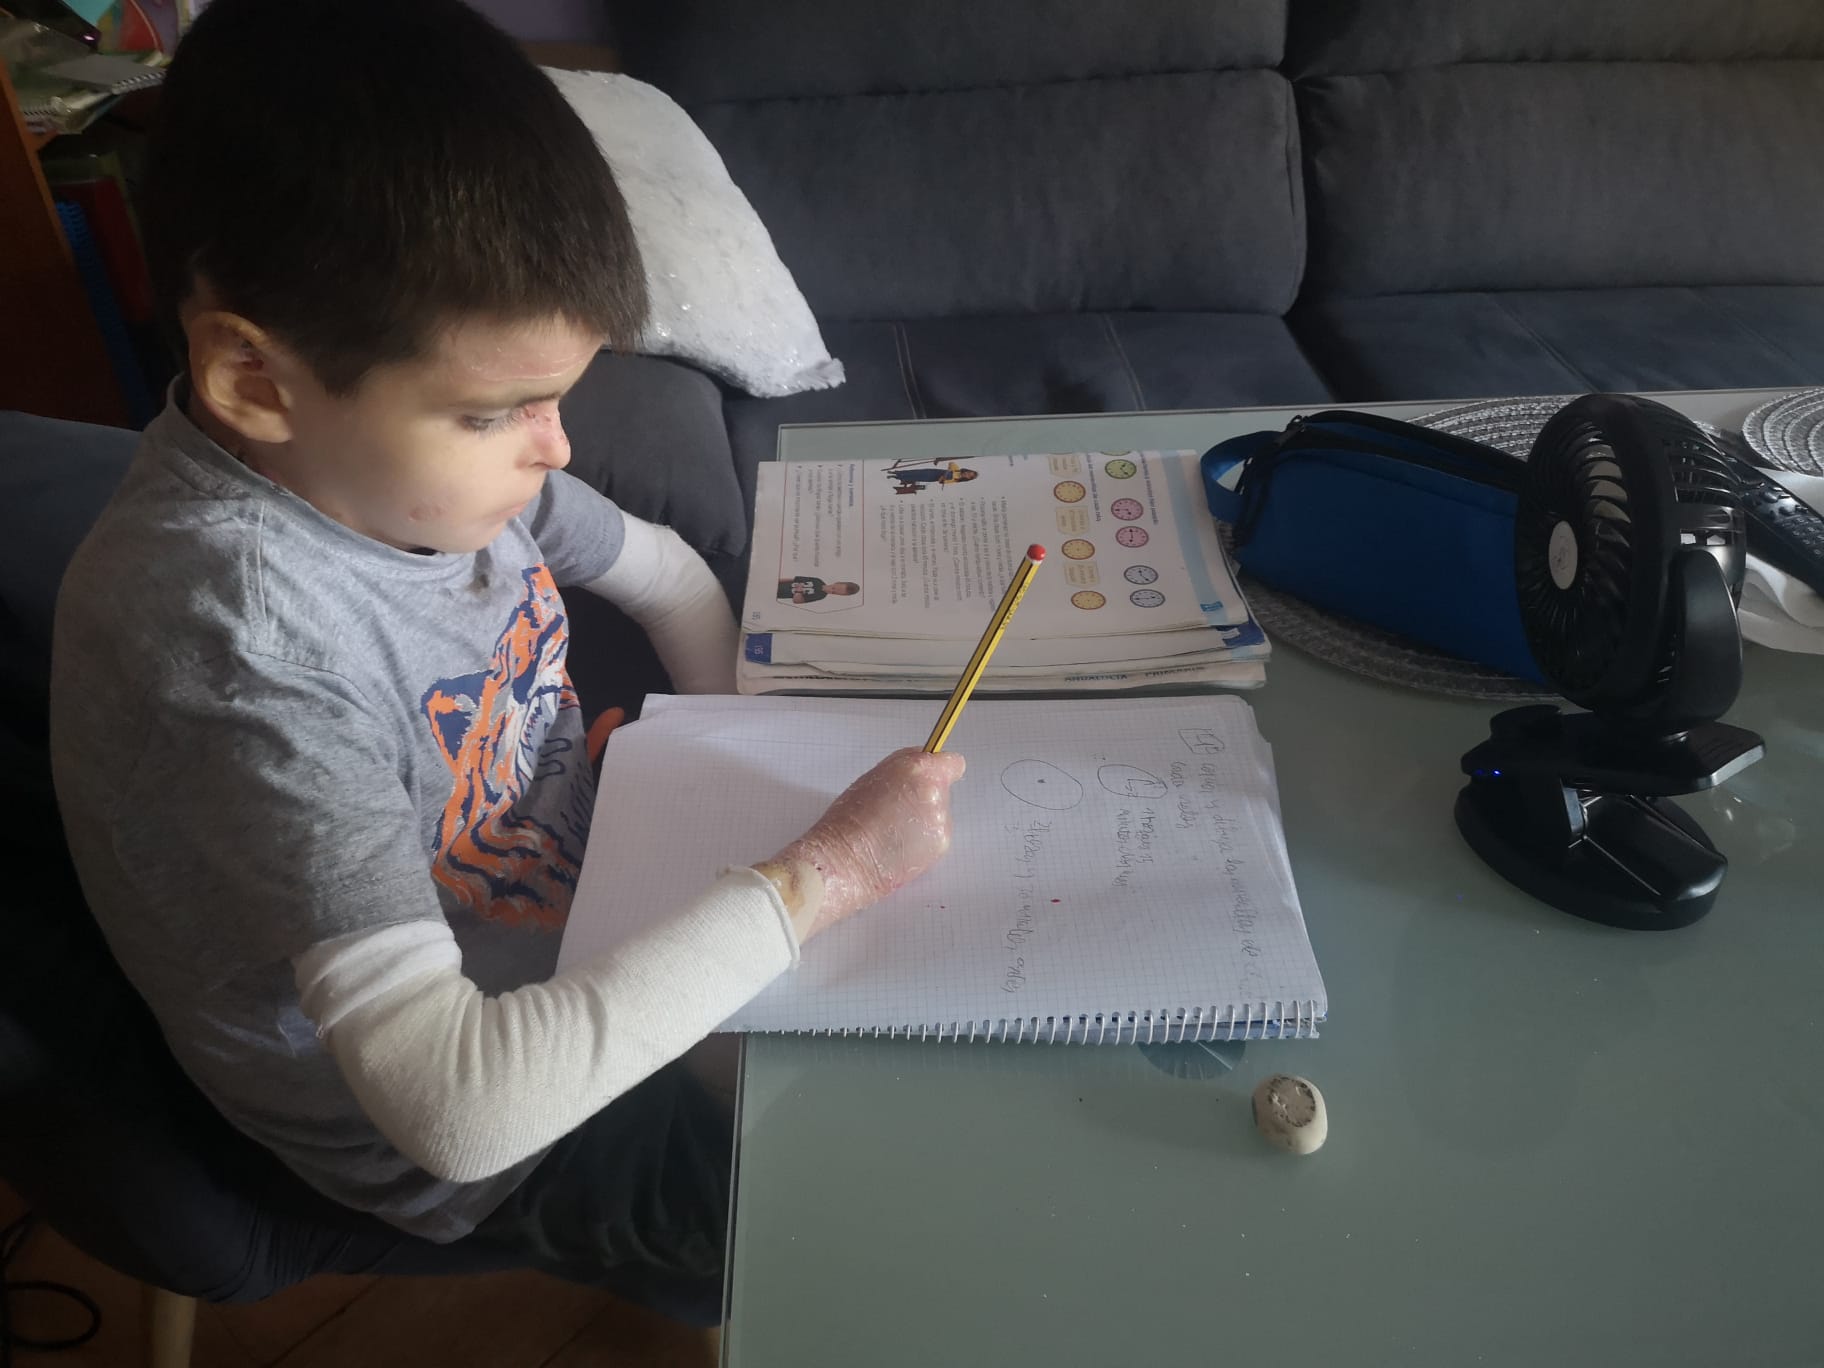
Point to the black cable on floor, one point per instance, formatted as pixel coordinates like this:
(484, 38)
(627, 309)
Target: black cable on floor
(11, 1239)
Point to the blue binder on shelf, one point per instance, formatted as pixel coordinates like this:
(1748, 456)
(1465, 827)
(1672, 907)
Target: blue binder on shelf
(127, 373)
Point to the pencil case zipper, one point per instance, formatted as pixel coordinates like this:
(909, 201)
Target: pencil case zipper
(1456, 457)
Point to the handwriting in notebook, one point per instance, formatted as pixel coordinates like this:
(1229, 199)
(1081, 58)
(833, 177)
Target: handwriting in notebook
(1110, 862)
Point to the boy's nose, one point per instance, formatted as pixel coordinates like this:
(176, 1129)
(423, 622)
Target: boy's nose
(557, 452)
(550, 443)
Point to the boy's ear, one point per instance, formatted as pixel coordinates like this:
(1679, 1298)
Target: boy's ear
(243, 375)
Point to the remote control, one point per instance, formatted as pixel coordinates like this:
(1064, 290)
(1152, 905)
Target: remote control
(1783, 530)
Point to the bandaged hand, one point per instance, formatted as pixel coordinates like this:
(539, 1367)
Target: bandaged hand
(881, 833)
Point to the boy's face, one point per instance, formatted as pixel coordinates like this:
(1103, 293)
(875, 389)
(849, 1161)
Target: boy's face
(442, 451)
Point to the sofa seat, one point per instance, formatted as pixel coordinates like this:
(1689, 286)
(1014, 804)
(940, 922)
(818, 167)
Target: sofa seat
(1477, 344)
(1038, 363)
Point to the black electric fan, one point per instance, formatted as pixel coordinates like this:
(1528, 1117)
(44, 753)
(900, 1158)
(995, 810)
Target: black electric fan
(1629, 551)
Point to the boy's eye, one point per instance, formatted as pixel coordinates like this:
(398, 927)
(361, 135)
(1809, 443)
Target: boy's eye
(489, 424)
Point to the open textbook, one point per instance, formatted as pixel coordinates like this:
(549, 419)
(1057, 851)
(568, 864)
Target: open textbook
(878, 576)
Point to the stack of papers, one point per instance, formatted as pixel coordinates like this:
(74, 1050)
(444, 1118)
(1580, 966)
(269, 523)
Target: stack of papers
(879, 576)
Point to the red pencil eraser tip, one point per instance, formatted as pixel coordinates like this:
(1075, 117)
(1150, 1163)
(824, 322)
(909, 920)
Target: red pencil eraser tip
(1035, 552)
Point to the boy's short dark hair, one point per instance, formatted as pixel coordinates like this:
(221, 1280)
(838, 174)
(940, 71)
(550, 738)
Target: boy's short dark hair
(352, 175)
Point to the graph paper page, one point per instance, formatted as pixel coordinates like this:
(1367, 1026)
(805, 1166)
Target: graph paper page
(1109, 857)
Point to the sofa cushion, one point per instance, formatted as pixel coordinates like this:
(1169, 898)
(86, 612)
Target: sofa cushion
(1565, 175)
(649, 434)
(920, 161)
(708, 51)
(879, 389)
(1483, 144)
(1475, 345)
(1059, 363)
(1193, 361)
(1177, 190)
(1336, 37)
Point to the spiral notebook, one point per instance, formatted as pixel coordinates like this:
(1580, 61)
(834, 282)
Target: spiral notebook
(1118, 870)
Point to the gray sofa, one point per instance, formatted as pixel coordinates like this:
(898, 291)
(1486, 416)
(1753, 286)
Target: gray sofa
(1016, 206)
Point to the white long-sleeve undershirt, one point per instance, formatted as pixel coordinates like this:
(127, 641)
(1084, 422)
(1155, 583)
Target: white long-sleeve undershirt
(466, 1085)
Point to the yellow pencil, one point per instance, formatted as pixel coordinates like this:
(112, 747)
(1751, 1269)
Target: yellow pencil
(985, 648)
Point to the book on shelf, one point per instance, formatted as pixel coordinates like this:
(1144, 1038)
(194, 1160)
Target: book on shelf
(91, 171)
(129, 373)
(62, 86)
(871, 576)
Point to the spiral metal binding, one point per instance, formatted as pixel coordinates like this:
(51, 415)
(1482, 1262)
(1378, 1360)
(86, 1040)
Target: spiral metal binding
(1276, 1020)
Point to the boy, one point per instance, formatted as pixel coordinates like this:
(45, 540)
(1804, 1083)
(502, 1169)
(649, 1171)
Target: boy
(319, 762)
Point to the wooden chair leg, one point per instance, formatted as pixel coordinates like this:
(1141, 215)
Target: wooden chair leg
(169, 1325)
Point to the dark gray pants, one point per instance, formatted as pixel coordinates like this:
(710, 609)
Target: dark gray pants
(635, 1200)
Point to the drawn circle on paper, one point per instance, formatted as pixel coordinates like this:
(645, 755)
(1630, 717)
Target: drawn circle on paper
(1131, 537)
(1127, 509)
(1042, 785)
(1146, 598)
(1069, 491)
(1126, 781)
(1078, 549)
(1121, 469)
(1140, 574)
(1087, 598)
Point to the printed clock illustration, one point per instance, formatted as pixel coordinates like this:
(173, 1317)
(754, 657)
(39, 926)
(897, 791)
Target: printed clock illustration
(1127, 509)
(1131, 537)
(1146, 598)
(1140, 574)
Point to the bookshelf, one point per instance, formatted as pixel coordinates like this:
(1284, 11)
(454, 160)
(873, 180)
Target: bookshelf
(52, 360)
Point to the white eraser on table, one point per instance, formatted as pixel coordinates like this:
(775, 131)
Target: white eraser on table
(1289, 1113)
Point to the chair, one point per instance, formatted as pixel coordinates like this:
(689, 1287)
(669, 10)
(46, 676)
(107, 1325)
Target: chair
(100, 1131)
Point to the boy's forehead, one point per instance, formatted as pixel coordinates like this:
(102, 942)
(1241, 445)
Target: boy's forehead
(488, 355)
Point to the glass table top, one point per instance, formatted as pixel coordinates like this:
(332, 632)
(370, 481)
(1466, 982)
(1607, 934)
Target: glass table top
(1549, 1141)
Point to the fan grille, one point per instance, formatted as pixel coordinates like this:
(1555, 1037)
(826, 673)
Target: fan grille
(1708, 494)
(1574, 562)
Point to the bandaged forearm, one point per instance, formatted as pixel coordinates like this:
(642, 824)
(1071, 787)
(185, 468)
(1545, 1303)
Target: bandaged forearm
(466, 1085)
(663, 585)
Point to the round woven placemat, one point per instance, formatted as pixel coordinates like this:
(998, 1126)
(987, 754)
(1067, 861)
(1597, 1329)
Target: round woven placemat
(1509, 425)
(1789, 432)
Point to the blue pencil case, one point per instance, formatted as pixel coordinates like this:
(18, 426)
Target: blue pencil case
(1384, 522)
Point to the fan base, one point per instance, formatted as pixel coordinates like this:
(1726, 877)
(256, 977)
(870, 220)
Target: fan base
(1641, 864)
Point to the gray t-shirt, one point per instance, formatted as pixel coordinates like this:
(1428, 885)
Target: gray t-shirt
(268, 730)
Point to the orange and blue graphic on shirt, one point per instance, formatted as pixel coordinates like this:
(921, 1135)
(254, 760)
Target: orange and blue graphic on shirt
(492, 727)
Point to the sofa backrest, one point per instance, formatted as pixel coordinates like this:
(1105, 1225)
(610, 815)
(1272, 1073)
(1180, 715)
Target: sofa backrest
(1501, 144)
(1021, 156)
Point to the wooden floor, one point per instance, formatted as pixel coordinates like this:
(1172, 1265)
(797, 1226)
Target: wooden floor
(503, 1320)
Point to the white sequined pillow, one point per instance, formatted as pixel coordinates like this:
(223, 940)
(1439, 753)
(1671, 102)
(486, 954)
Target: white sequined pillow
(721, 298)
